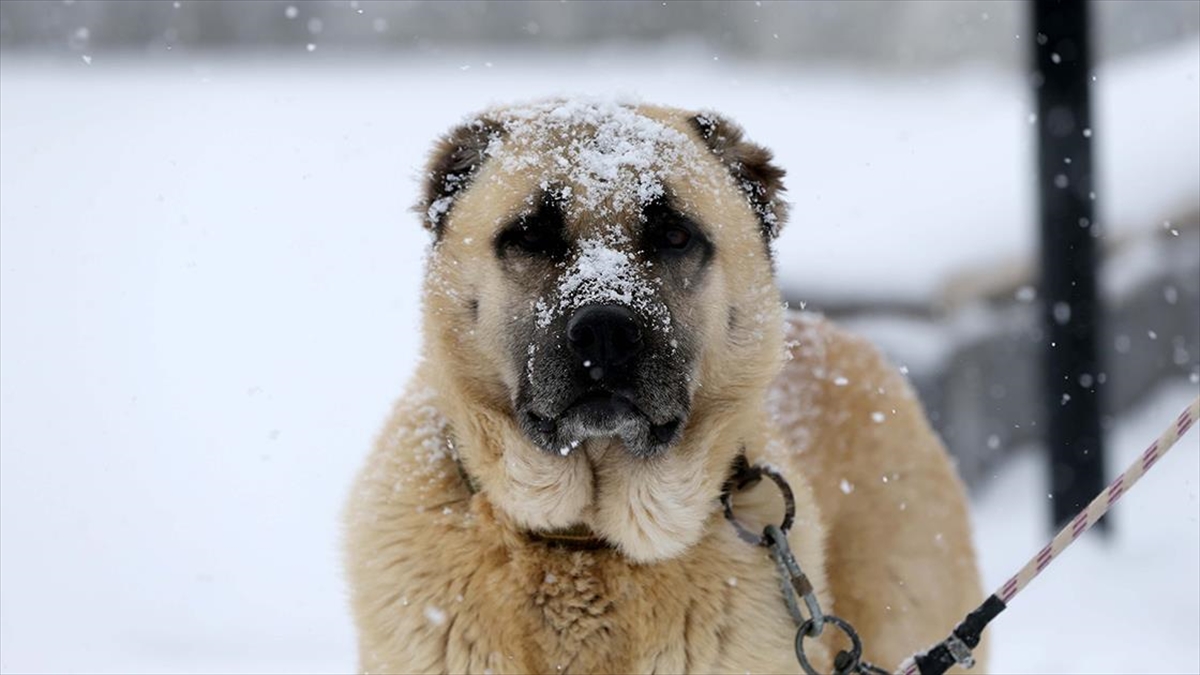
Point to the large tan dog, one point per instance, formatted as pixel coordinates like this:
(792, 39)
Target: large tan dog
(603, 339)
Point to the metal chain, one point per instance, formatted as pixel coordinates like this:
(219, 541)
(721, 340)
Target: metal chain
(794, 584)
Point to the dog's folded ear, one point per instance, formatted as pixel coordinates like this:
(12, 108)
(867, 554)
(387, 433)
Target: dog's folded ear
(751, 166)
(454, 161)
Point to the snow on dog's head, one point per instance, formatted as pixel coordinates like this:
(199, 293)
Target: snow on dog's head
(600, 272)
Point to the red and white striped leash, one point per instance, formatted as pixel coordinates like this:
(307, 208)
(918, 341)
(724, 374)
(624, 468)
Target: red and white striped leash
(956, 649)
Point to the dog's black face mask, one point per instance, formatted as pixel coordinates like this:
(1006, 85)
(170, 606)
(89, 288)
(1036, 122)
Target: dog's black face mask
(604, 345)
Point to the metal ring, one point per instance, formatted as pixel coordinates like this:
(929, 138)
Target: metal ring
(789, 506)
(855, 643)
(789, 499)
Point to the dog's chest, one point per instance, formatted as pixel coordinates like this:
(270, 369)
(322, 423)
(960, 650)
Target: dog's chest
(578, 605)
(593, 612)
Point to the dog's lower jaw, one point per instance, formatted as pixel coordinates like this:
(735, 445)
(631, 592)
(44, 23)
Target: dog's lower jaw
(640, 436)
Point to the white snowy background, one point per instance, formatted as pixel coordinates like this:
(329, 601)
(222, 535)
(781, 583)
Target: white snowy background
(210, 299)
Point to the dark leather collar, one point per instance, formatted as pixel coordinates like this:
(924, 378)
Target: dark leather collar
(574, 538)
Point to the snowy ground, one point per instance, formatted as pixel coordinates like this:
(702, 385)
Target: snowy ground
(209, 300)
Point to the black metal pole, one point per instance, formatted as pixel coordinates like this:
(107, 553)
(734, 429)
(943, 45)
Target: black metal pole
(1068, 260)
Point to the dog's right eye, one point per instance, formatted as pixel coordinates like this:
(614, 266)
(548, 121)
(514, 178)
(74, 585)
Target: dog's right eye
(537, 234)
(531, 239)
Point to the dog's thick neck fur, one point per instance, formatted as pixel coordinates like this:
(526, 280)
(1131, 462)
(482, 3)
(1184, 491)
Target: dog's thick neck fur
(592, 605)
(648, 508)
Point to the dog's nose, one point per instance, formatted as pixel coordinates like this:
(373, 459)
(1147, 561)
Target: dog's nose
(604, 336)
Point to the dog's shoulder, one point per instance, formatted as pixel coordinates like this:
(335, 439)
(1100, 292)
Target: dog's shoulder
(409, 531)
(413, 456)
(833, 378)
(409, 487)
(851, 414)
(887, 489)
(826, 351)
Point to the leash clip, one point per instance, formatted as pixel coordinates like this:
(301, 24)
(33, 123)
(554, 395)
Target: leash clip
(794, 582)
(960, 651)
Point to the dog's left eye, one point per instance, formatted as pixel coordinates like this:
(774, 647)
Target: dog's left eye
(671, 235)
(676, 238)
(530, 239)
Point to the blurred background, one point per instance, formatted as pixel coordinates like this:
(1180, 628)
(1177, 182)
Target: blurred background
(210, 285)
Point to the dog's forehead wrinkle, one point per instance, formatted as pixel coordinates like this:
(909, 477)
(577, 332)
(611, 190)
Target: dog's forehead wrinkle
(608, 156)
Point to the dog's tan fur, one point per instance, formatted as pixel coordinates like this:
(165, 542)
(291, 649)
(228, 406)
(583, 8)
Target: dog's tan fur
(446, 580)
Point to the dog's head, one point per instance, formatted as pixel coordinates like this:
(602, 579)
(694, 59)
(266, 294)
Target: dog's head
(601, 281)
